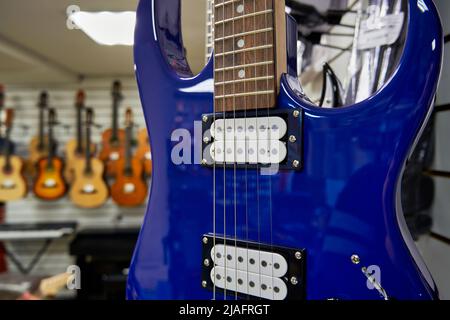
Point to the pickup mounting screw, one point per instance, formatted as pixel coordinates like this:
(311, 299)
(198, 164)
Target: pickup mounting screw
(204, 162)
(298, 255)
(295, 163)
(204, 284)
(292, 139)
(296, 114)
(294, 281)
(205, 118)
(205, 240)
(206, 262)
(355, 259)
(206, 140)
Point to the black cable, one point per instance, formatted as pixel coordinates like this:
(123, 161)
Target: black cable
(442, 108)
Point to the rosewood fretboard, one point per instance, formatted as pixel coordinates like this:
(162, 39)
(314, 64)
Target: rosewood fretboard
(249, 53)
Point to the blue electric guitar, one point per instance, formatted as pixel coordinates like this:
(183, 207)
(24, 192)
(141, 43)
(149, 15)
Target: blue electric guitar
(256, 191)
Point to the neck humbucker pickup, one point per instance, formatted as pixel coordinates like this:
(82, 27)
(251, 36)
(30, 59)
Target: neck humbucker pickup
(251, 139)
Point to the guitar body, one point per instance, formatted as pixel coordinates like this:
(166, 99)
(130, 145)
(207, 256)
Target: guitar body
(13, 185)
(344, 201)
(35, 154)
(72, 156)
(112, 152)
(143, 152)
(88, 190)
(50, 184)
(129, 190)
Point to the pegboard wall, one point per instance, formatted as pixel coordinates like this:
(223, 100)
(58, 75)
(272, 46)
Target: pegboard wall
(62, 97)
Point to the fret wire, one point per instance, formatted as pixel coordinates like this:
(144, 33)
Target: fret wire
(245, 66)
(225, 3)
(244, 34)
(243, 80)
(243, 94)
(268, 46)
(253, 14)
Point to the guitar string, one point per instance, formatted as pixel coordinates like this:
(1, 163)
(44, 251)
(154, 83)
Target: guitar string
(213, 20)
(224, 159)
(257, 151)
(269, 130)
(246, 167)
(233, 7)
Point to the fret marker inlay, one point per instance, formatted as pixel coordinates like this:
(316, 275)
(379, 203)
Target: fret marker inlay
(248, 63)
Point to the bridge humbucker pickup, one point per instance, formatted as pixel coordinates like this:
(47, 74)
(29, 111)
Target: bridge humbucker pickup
(250, 269)
(246, 140)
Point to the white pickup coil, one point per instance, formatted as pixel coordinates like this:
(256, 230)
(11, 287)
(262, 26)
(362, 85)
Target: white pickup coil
(248, 140)
(266, 287)
(262, 128)
(254, 272)
(252, 151)
(267, 263)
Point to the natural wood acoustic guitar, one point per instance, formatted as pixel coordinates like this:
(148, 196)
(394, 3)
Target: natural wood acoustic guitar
(75, 147)
(13, 185)
(88, 189)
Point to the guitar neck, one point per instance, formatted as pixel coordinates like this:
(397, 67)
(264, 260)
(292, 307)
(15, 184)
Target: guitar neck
(115, 117)
(7, 150)
(51, 146)
(79, 148)
(249, 53)
(128, 150)
(88, 168)
(41, 129)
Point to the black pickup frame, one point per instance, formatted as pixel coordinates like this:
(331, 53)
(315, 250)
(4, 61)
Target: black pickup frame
(294, 121)
(296, 265)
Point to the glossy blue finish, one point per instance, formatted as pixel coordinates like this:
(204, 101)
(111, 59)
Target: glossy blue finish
(343, 202)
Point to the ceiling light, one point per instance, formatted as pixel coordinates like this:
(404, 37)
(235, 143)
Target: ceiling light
(107, 28)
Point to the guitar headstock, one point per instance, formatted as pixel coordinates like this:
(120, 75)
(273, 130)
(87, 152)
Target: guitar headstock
(117, 90)
(2, 96)
(43, 100)
(129, 118)
(80, 99)
(52, 117)
(89, 117)
(9, 118)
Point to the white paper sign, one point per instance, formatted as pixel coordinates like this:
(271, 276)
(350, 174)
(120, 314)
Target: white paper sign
(380, 31)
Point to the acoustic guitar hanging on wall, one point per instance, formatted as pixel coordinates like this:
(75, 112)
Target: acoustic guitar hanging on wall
(13, 185)
(50, 183)
(113, 138)
(88, 189)
(129, 190)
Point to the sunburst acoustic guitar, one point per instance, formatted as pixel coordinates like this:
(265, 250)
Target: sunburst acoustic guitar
(113, 138)
(75, 147)
(49, 183)
(88, 189)
(39, 144)
(129, 190)
(13, 185)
